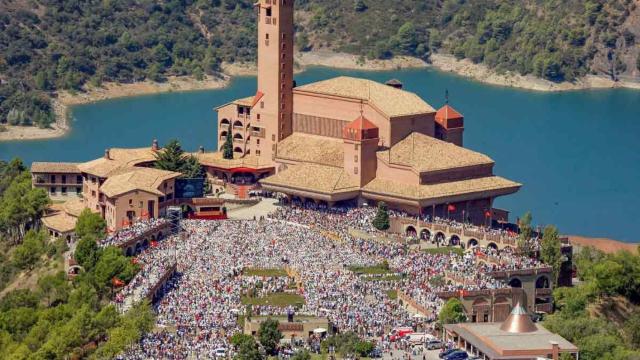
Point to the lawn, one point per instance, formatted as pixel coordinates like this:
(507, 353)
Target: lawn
(371, 270)
(275, 299)
(445, 250)
(264, 272)
(392, 294)
(390, 277)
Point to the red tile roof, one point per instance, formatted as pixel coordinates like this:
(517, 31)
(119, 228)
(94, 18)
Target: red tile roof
(257, 98)
(447, 113)
(359, 129)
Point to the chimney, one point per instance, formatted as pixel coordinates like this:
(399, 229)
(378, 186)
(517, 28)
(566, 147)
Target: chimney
(555, 350)
(201, 149)
(106, 154)
(154, 145)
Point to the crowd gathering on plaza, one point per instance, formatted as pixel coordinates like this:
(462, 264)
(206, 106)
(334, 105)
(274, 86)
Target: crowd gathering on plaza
(202, 303)
(132, 232)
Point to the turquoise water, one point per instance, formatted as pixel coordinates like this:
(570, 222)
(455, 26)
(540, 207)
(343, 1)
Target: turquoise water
(577, 153)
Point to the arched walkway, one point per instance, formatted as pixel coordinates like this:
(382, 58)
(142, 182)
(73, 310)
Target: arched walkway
(471, 243)
(238, 150)
(455, 240)
(225, 122)
(411, 231)
(493, 246)
(425, 235)
(542, 282)
(237, 136)
(440, 237)
(515, 283)
(237, 123)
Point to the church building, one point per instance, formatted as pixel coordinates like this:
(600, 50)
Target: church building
(349, 139)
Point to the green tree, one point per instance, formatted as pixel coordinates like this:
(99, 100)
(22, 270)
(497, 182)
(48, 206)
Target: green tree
(54, 288)
(632, 330)
(90, 225)
(269, 335)
(608, 277)
(364, 348)
(27, 254)
(113, 263)
(452, 312)
(227, 147)
(87, 253)
(171, 157)
(407, 38)
(381, 221)
(301, 355)
(551, 250)
(526, 233)
(247, 349)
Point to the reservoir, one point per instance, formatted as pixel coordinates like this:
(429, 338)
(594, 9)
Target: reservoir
(576, 153)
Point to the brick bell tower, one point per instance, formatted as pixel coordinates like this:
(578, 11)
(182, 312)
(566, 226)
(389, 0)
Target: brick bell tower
(273, 103)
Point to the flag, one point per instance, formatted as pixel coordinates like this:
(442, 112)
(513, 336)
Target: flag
(451, 207)
(487, 213)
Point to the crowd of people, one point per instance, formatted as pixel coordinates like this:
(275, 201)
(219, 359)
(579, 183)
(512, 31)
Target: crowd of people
(201, 305)
(133, 231)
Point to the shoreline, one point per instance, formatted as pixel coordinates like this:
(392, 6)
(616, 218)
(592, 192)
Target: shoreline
(106, 91)
(606, 245)
(303, 60)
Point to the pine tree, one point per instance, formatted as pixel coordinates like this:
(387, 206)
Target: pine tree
(171, 158)
(227, 148)
(381, 221)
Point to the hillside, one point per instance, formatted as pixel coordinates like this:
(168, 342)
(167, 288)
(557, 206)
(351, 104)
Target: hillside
(50, 45)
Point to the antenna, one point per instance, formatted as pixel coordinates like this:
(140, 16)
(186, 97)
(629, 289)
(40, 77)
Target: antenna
(446, 96)
(361, 108)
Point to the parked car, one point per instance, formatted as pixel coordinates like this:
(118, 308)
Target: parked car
(457, 355)
(446, 352)
(375, 353)
(221, 352)
(433, 344)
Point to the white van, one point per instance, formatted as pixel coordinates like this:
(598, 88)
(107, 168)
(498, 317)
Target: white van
(220, 353)
(418, 338)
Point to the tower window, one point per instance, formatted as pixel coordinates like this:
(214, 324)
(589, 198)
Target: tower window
(268, 12)
(267, 36)
(355, 170)
(262, 104)
(355, 158)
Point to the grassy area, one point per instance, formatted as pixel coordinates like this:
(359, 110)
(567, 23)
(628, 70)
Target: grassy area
(393, 277)
(445, 250)
(264, 272)
(372, 270)
(392, 294)
(275, 299)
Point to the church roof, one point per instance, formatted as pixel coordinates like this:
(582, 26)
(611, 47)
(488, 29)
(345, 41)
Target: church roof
(315, 149)
(491, 184)
(424, 153)
(391, 101)
(314, 178)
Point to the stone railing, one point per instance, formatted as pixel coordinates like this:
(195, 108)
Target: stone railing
(406, 299)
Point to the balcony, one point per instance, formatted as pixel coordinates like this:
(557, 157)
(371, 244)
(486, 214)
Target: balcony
(258, 132)
(238, 141)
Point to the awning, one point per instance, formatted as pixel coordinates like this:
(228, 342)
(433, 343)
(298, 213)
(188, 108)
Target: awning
(319, 331)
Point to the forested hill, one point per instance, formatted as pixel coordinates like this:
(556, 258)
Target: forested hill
(49, 45)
